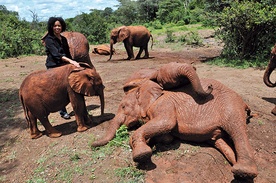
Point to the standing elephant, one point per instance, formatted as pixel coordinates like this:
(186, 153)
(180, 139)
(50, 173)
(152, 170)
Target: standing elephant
(181, 113)
(78, 45)
(137, 36)
(47, 91)
(270, 68)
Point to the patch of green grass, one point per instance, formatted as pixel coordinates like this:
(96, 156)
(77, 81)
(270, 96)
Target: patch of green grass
(129, 174)
(260, 122)
(236, 63)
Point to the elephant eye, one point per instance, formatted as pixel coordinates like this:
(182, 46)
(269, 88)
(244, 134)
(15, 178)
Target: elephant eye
(90, 78)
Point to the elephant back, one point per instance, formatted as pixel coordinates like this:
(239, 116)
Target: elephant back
(79, 46)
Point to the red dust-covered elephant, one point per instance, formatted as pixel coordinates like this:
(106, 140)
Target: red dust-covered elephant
(183, 113)
(137, 36)
(47, 91)
(78, 46)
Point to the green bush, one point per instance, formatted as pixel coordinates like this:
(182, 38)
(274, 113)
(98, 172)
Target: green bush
(191, 38)
(248, 29)
(170, 38)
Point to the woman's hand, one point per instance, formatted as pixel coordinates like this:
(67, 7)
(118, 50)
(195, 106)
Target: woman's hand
(75, 63)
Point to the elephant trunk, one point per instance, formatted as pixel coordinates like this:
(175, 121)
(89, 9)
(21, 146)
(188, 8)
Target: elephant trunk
(110, 133)
(195, 81)
(175, 74)
(267, 74)
(111, 49)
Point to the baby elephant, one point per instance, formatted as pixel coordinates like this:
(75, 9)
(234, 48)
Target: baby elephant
(47, 91)
(182, 113)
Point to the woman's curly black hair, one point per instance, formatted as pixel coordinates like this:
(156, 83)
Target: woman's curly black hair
(51, 23)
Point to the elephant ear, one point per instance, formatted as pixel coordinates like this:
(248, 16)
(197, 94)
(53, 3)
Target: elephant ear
(147, 94)
(124, 33)
(129, 86)
(82, 80)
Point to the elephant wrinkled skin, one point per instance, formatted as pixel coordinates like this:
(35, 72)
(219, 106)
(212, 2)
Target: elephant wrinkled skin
(47, 91)
(269, 69)
(137, 36)
(181, 113)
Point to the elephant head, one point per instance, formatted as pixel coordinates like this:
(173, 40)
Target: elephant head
(118, 35)
(86, 80)
(270, 67)
(133, 107)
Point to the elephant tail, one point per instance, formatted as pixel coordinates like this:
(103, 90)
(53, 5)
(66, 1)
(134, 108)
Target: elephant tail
(151, 41)
(249, 114)
(25, 109)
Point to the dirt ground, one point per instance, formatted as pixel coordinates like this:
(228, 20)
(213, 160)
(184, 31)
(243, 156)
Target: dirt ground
(21, 157)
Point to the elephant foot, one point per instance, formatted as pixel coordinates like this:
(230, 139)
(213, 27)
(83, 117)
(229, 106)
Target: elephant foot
(82, 128)
(130, 58)
(55, 134)
(141, 153)
(36, 135)
(245, 171)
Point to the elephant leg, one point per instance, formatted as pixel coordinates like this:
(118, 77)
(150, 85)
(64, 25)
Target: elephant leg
(146, 52)
(245, 167)
(129, 50)
(50, 130)
(225, 149)
(32, 122)
(138, 56)
(81, 114)
(274, 110)
(141, 152)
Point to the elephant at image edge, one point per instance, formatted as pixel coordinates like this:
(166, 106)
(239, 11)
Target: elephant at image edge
(78, 45)
(270, 68)
(137, 36)
(181, 113)
(47, 91)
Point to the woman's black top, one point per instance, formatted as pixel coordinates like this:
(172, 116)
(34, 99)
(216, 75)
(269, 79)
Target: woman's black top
(55, 49)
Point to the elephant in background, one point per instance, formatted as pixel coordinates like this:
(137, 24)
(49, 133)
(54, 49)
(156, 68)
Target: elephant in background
(102, 50)
(181, 113)
(78, 45)
(137, 36)
(47, 91)
(269, 69)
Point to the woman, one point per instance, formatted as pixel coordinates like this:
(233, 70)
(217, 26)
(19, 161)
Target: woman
(57, 49)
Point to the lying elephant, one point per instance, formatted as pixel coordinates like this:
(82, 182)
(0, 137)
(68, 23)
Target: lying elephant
(173, 75)
(183, 114)
(102, 50)
(47, 91)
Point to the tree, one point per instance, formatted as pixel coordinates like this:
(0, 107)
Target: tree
(147, 10)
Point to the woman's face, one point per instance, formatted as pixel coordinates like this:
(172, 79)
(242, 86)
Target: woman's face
(57, 28)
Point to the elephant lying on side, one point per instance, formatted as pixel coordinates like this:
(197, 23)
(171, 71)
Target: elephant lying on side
(47, 91)
(137, 36)
(78, 45)
(183, 114)
(102, 50)
(270, 68)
